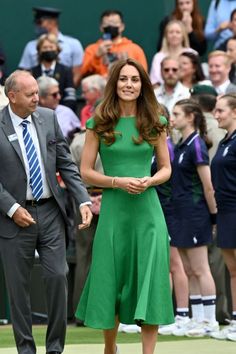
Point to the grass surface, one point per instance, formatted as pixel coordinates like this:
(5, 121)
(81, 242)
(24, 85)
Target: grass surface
(76, 335)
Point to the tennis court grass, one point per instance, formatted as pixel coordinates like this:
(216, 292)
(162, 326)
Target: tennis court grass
(76, 335)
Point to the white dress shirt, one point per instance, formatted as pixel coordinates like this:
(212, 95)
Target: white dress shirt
(16, 121)
(221, 89)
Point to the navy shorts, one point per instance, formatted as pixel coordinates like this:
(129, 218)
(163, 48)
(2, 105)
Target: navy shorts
(226, 230)
(191, 226)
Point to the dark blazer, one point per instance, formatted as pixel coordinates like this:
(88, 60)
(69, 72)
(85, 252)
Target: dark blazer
(56, 157)
(63, 74)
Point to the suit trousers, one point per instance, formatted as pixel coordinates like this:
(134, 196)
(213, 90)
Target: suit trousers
(47, 236)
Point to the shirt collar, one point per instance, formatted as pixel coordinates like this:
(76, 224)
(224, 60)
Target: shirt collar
(60, 37)
(52, 67)
(222, 88)
(189, 139)
(232, 136)
(16, 120)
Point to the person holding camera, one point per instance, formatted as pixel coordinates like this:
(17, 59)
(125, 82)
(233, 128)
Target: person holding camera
(99, 56)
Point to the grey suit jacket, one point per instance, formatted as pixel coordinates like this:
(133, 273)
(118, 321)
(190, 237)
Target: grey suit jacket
(56, 157)
(231, 88)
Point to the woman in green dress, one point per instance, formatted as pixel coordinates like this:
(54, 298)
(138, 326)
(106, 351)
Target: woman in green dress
(128, 280)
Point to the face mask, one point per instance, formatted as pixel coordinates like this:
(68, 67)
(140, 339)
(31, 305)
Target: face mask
(112, 30)
(40, 30)
(48, 55)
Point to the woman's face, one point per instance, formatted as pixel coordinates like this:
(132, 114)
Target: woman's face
(185, 6)
(129, 84)
(186, 67)
(174, 35)
(48, 46)
(225, 116)
(178, 118)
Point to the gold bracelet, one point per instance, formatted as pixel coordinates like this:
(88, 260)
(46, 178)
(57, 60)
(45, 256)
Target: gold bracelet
(114, 182)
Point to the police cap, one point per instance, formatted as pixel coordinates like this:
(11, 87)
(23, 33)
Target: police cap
(45, 12)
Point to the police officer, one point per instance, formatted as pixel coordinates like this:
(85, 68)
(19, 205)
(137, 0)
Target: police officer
(46, 21)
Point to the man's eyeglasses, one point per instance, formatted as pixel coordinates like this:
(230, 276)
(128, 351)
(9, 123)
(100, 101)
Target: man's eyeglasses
(54, 94)
(166, 70)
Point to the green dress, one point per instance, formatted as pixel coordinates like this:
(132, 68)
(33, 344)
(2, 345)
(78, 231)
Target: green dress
(129, 274)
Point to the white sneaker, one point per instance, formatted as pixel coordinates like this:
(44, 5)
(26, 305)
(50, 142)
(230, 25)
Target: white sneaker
(185, 327)
(129, 328)
(231, 336)
(121, 327)
(180, 321)
(204, 328)
(227, 330)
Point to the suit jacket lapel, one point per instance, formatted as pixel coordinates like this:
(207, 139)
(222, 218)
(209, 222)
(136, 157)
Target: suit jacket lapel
(9, 130)
(38, 122)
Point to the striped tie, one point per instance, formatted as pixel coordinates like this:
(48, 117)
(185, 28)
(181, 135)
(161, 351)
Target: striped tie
(36, 182)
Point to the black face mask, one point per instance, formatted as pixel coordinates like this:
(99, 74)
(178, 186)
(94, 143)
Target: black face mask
(112, 30)
(48, 55)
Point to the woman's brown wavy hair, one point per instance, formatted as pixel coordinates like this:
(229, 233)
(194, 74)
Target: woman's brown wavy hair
(198, 19)
(149, 110)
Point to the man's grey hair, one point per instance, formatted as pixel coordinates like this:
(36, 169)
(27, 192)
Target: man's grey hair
(11, 83)
(44, 83)
(95, 82)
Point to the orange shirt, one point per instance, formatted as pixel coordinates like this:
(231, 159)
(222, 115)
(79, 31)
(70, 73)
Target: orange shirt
(94, 65)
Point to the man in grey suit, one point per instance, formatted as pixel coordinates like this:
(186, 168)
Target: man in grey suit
(32, 211)
(219, 65)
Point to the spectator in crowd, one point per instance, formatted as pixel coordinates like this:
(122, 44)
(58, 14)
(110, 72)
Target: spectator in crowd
(232, 26)
(194, 213)
(46, 21)
(3, 98)
(49, 96)
(218, 27)
(175, 41)
(92, 91)
(48, 50)
(223, 177)
(206, 97)
(171, 90)
(112, 46)
(187, 11)
(231, 51)
(2, 67)
(191, 72)
(219, 64)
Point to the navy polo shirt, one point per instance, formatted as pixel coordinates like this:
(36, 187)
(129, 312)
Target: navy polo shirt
(186, 184)
(164, 189)
(223, 168)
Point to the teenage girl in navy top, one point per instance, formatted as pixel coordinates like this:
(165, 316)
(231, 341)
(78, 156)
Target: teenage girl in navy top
(224, 180)
(194, 210)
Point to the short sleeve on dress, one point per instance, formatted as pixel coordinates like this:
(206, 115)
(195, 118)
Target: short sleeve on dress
(90, 124)
(163, 120)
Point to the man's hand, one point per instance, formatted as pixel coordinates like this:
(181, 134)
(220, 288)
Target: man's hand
(86, 215)
(104, 48)
(23, 218)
